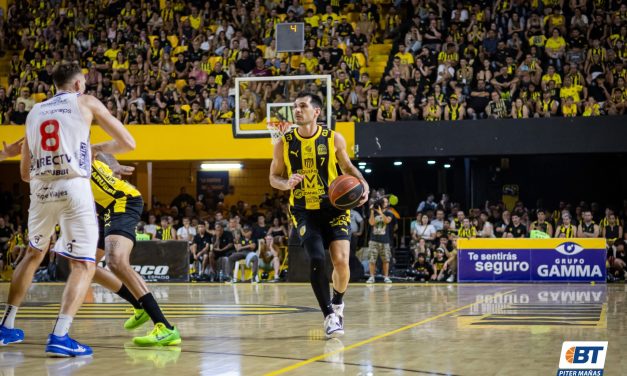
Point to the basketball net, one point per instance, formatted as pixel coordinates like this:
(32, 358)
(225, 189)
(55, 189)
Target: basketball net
(278, 129)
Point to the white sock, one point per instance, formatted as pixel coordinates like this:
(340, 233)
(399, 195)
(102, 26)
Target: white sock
(62, 326)
(8, 320)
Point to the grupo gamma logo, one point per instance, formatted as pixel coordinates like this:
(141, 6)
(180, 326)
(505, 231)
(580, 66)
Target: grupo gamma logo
(569, 248)
(582, 358)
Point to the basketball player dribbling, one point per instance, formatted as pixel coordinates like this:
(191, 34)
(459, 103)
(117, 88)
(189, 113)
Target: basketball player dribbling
(311, 155)
(57, 163)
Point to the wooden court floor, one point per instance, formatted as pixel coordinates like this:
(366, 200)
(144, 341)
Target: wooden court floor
(273, 329)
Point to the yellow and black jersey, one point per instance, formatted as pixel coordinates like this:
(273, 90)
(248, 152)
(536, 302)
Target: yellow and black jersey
(588, 229)
(164, 234)
(544, 227)
(432, 113)
(109, 190)
(468, 233)
(453, 111)
(341, 85)
(314, 158)
(387, 112)
(246, 243)
(351, 61)
(374, 101)
(569, 231)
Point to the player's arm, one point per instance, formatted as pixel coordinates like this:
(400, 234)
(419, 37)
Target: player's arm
(25, 162)
(11, 150)
(347, 166)
(277, 167)
(122, 141)
(115, 166)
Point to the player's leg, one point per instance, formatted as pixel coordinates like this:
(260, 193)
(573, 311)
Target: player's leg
(310, 230)
(41, 223)
(78, 282)
(79, 229)
(20, 283)
(118, 250)
(337, 232)
(340, 251)
(108, 280)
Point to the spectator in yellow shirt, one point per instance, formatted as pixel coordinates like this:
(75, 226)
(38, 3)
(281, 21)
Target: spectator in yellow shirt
(556, 20)
(310, 61)
(551, 75)
(405, 56)
(112, 52)
(570, 90)
(569, 108)
(592, 108)
(120, 67)
(329, 14)
(555, 47)
(312, 19)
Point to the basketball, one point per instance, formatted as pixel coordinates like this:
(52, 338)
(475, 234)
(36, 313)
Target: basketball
(345, 192)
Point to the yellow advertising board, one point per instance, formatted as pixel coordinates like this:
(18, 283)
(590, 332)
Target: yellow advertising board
(189, 142)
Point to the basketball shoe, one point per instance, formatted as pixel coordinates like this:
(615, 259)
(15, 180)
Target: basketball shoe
(8, 336)
(139, 318)
(333, 326)
(160, 336)
(66, 347)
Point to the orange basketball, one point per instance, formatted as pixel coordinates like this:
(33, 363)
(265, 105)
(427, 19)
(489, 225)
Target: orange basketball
(570, 354)
(345, 192)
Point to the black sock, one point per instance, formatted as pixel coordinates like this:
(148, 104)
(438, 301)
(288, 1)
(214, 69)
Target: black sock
(337, 297)
(126, 294)
(151, 306)
(318, 274)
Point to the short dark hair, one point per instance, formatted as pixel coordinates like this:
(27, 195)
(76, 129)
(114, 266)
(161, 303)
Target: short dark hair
(64, 73)
(315, 100)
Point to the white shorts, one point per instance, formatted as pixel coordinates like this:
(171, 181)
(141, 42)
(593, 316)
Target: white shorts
(69, 203)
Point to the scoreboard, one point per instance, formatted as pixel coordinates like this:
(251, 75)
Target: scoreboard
(290, 37)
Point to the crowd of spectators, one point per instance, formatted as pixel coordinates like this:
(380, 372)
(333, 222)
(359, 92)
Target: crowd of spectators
(509, 59)
(176, 63)
(456, 60)
(439, 224)
(222, 230)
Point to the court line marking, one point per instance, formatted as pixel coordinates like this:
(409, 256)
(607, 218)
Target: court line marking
(198, 352)
(380, 336)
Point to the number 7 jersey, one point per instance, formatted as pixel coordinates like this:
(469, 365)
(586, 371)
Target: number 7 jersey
(58, 139)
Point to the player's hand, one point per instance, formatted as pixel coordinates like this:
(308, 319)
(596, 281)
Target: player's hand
(294, 180)
(13, 149)
(122, 170)
(366, 194)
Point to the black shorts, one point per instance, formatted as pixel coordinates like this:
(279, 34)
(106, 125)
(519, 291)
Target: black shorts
(116, 220)
(330, 223)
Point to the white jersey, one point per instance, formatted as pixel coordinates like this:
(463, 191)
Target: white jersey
(58, 139)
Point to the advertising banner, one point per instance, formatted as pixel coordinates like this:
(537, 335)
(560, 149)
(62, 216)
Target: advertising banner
(531, 260)
(155, 260)
(161, 261)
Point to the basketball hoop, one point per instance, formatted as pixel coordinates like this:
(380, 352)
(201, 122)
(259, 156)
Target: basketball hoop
(278, 129)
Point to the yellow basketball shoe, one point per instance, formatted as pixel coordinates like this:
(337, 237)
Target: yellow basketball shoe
(160, 336)
(139, 318)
